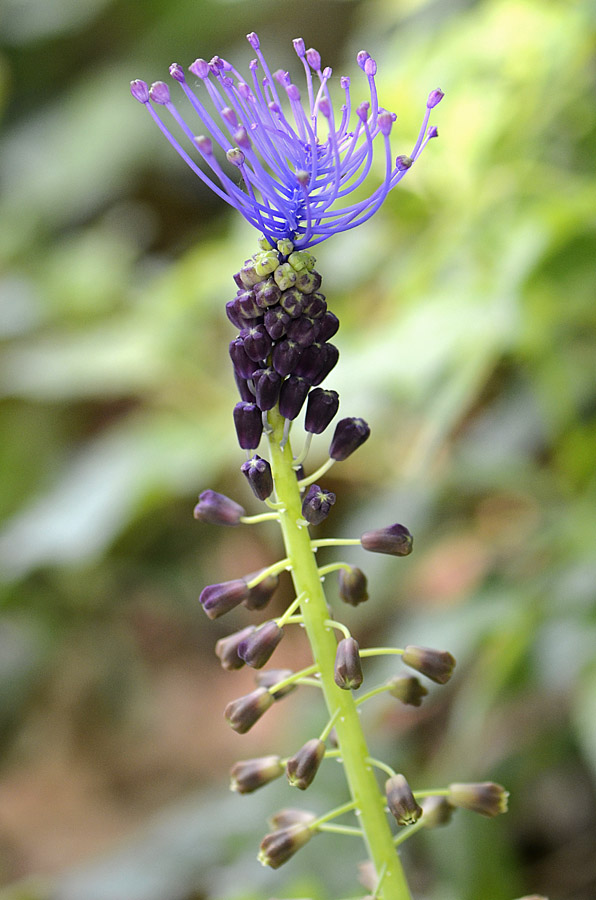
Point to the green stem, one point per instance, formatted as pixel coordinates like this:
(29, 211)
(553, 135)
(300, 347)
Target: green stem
(366, 796)
(373, 693)
(408, 832)
(316, 475)
(342, 829)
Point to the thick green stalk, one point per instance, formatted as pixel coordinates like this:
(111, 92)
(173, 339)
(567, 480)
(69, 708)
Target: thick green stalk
(364, 789)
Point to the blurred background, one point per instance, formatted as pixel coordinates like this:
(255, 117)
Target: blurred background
(468, 342)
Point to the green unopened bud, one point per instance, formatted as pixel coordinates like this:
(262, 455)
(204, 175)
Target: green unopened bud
(285, 246)
(438, 665)
(487, 798)
(437, 811)
(264, 244)
(304, 765)
(245, 711)
(284, 818)
(408, 689)
(249, 774)
(266, 263)
(279, 846)
(285, 276)
(301, 259)
(401, 801)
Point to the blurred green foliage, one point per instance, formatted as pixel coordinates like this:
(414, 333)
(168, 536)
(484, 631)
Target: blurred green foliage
(468, 341)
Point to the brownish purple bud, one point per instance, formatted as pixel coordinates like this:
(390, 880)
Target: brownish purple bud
(257, 472)
(272, 677)
(279, 846)
(328, 326)
(248, 775)
(437, 812)
(487, 798)
(348, 668)
(244, 388)
(401, 802)
(218, 599)
(284, 818)
(352, 586)
(292, 396)
(349, 435)
(260, 595)
(257, 648)
(304, 765)
(217, 509)
(312, 362)
(307, 282)
(438, 665)
(321, 407)
(267, 384)
(285, 356)
(276, 322)
(408, 689)
(291, 301)
(314, 306)
(331, 356)
(246, 305)
(249, 425)
(256, 342)
(227, 649)
(266, 293)
(245, 711)
(303, 330)
(244, 366)
(395, 540)
(317, 504)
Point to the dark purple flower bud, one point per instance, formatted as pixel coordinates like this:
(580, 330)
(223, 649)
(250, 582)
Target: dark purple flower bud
(218, 599)
(283, 818)
(408, 689)
(267, 385)
(437, 812)
(244, 390)
(238, 281)
(349, 435)
(248, 775)
(245, 711)
(271, 677)
(279, 846)
(257, 472)
(256, 649)
(260, 595)
(314, 306)
(401, 801)
(304, 765)
(395, 540)
(317, 504)
(329, 363)
(292, 396)
(328, 326)
(247, 306)
(303, 330)
(249, 425)
(257, 343)
(243, 364)
(487, 798)
(291, 300)
(266, 293)
(227, 649)
(276, 322)
(348, 668)
(300, 474)
(233, 314)
(217, 509)
(438, 665)
(312, 362)
(285, 356)
(308, 282)
(321, 407)
(352, 586)
(434, 98)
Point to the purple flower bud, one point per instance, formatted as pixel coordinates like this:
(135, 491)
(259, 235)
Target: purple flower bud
(227, 649)
(276, 322)
(395, 540)
(317, 504)
(348, 668)
(243, 364)
(401, 801)
(434, 98)
(308, 282)
(408, 689)
(311, 362)
(349, 435)
(256, 649)
(283, 818)
(487, 798)
(217, 509)
(285, 357)
(279, 846)
(139, 90)
(266, 293)
(352, 586)
(292, 301)
(314, 305)
(257, 472)
(248, 775)
(402, 163)
(200, 68)
(177, 73)
(267, 385)
(233, 315)
(433, 132)
(321, 408)
(313, 58)
(249, 425)
(253, 40)
(329, 363)
(249, 275)
(159, 92)
(292, 396)
(271, 677)
(236, 157)
(370, 67)
(219, 599)
(304, 765)
(438, 665)
(303, 330)
(361, 58)
(243, 388)
(299, 47)
(328, 326)
(245, 711)
(257, 343)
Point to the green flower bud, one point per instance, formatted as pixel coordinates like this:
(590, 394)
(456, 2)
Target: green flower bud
(438, 665)
(487, 798)
(249, 774)
(286, 817)
(437, 811)
(408, 689)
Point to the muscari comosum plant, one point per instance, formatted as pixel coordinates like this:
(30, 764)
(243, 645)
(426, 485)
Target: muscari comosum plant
(290, 165)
